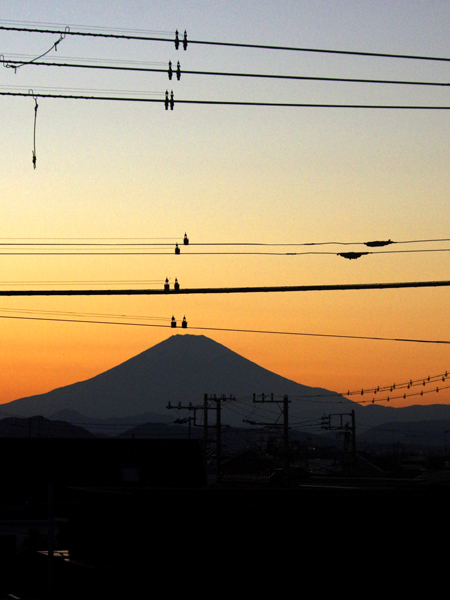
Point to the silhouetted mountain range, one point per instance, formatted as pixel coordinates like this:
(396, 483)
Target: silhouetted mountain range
(39, 427)
(181, 370)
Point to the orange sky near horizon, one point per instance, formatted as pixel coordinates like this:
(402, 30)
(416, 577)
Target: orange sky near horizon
(231, 174)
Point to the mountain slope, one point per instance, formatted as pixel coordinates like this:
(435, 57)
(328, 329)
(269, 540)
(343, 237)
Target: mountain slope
(185, 367)
(181, 369)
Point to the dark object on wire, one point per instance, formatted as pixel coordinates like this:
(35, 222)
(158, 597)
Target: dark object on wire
(352, 255)
(378, 243)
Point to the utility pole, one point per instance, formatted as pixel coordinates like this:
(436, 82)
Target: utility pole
(285, 402)
(348, 429)
(218, 426)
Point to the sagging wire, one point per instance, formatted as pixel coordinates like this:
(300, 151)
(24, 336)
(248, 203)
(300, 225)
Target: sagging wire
(36, 106)
(406, 384)
(404, 396)
(15, 66)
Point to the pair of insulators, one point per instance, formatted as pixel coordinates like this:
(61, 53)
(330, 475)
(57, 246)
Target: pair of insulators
(176, 286)
(174, 322)
(169, 101)
(177, 40)
(178, 71)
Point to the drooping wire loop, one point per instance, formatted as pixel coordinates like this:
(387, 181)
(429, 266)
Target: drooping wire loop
(36, 106)
(15, 66)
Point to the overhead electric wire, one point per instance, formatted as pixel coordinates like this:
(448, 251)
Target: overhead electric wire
(80, 90)
(230, 290)
(67, 31)
(19, 64)
(422, 381)
(143, 241)
(229, 329)
(82, 314)
(230, 102)
(55, 282)
(21, 23)
(131, 250)
(183, 72)
(402, 396)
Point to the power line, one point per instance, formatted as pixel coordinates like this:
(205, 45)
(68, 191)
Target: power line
(93, 27)
(82, 314)
(19, 64)
(422, 381)
(224, 73)
(230, 102)
(402, 396)
(131, 282)
(169, 242)
(148, 38)
(136, 252)
(231, 290)
(293, 333)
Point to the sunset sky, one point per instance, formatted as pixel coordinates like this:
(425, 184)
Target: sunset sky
(247, 174)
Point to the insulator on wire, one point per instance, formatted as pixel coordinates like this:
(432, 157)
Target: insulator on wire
(178, 71)
(177, 40)
(185, 41)
(184, 323)
(173, 322)
(166, 285)
(186, 240)
(172, 101)
(166, 100)
(176, 285)
(177, 250)
(170, 71)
